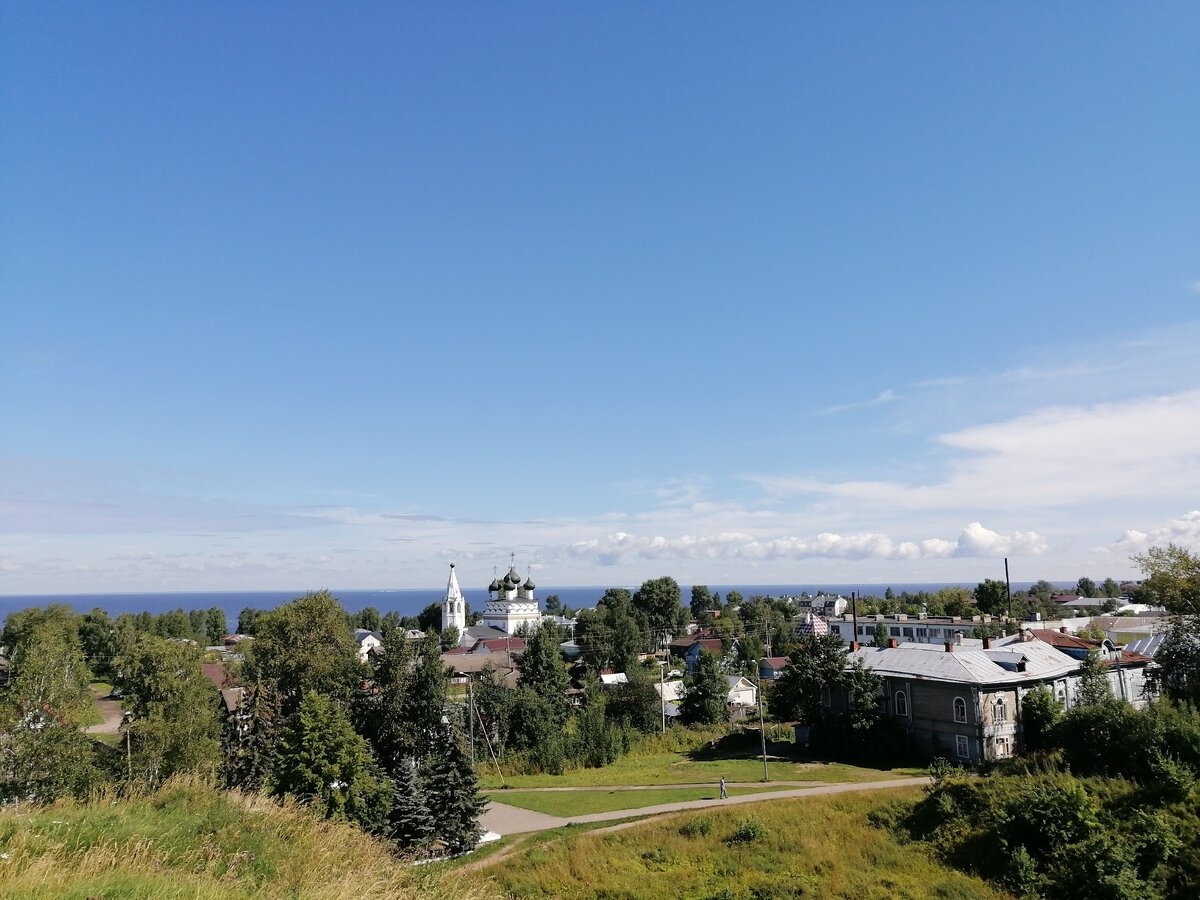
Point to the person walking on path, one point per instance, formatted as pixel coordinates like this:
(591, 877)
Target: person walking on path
(724, 790)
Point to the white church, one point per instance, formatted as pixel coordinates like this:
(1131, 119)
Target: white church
(511, 605)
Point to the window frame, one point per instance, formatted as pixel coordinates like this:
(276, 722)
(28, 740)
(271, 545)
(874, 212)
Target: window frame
(962, 746)
(957, 701)
(901, 699)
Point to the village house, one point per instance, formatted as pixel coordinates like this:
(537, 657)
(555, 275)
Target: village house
(689, 648)
(771, 667)
(368, 642)
(962, 700)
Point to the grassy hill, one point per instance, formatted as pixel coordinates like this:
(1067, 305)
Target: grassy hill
(817, 847)
(190, 841)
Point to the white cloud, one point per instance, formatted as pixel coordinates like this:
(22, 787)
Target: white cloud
(974, 541)
(883, 397)
(1184, 531)
(1148, 447)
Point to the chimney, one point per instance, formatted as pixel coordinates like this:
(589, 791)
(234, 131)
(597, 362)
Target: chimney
(949, 647)
(853, 646)
(1062, 629)
(987, 643)
(892, 643)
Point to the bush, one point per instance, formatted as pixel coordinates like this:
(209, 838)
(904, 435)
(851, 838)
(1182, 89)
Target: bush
(700, 826)
(748, 830)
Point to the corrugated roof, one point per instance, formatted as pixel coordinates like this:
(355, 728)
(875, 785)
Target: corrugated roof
(934, 663)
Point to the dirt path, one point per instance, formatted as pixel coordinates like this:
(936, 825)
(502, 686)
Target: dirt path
(112, 712)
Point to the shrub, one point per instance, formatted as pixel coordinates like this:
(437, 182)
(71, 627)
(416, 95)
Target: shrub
(700, 826)
(748, 830)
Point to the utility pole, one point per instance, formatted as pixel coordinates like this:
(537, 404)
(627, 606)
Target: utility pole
(471, 714)
(1007, 588)
(762, 728)
(854, 613)
(662, 693)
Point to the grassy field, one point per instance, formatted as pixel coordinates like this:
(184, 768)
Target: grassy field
(823, 847)
(190, 841)
(580, 803)
(693, 768)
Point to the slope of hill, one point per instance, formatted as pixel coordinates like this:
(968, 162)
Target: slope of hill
(190, 841)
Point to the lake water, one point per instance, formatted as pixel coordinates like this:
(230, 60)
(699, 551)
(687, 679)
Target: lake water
(407, 602)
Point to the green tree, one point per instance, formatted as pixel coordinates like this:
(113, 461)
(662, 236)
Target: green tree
(247, 621)
(98, 641)
(454, 798)
(175, 724)
(991, 596)
(250, 738)
(43, 755)
(410, 823)
(1085, 587)
(705, 693)
(657, 606)
(215, 626)
(430, 618)
(1173, 577)
(1042, 590)
(1178, 658)
(815, 668)
(879, 635)
(50, 673)
(1094, 687)
(542, 668)
(18, 625)
(703, 601)
(305, 645)
(423, 705)
(609, 635)
(635, 704)
(1110, 588)
(1040, 716)
(323, 761)
(370, 619)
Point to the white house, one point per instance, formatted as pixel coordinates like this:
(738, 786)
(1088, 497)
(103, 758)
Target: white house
(367, 641)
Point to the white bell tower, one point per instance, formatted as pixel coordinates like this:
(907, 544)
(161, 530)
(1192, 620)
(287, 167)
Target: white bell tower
(454, 607)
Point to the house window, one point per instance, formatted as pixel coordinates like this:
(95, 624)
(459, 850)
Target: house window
(1001, 713)
(825, 701)
(922, 632)
(894, 632)
(960, 710)
(901, 703)
(960, 746)
(1002, 748)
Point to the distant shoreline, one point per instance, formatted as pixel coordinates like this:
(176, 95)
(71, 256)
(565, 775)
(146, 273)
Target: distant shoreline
(408, 601)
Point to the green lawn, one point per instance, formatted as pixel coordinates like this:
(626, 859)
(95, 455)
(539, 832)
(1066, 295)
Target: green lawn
(821, 848)
(684, 768)
(580, 803)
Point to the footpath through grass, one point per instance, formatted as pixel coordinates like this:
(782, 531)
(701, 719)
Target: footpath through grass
(580, 803)
(823, 847)
(696, 767)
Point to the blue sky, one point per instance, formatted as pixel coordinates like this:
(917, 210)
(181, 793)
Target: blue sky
(299, 295)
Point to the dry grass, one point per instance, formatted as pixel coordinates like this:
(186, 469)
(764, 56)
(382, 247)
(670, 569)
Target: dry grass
(191, 841)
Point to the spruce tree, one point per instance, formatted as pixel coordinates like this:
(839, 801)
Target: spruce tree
(453, 794)
(705, 693)
(410, 823)
(250, 737)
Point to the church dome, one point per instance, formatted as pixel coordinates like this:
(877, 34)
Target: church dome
(529, 585)
(495, 585)
(512, 577)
